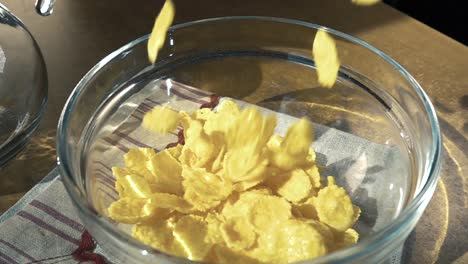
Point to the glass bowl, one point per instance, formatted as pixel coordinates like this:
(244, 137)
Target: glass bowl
(23, 85)
(375, 130)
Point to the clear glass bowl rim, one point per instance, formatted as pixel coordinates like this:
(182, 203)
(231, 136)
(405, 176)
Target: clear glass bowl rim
(364, 247)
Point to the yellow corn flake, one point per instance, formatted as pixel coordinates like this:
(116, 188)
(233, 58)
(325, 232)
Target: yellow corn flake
(246, 185)
(245, 140)
(300, 241)
(234, 193)
(166, 171)
(357, 213)
(222, 119)
(133, 186)
(185, 120)
(228, 106)
(334, 207)
(266, 210)
(121, 172)
(129, 210)
(314, 176)
(238, 205)
(136, 159)
(326, 58)
(203, 114)
(243, 164)
(250, 128)
(274, 143)
(261, 189)
(292, 151)
(161, 26)
(199, 150)
(214, 222)
(204, 190)
(170, 201)
(190, 231)
(266, 250)
(296, 186)
(161, 119)
(292, 241)
(222, 254)
(326, 232)
(238, 233)
(346, 239)
(306, 209)
(311, 156)
(175, 151)
(159, 235)
(298, 138)
(365, 2)
(217, 164)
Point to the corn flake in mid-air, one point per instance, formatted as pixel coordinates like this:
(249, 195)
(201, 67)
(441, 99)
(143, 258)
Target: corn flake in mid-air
(161, 26)
(161, 119)
(365, 2)
(326, 58)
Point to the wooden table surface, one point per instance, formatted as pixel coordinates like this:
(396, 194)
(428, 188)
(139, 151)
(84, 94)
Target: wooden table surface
(80, 33)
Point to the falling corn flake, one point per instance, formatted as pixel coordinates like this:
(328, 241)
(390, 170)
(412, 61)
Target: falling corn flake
(235, 192)
(326, 58)
(365, 2)
(161, 26)
(161, 119)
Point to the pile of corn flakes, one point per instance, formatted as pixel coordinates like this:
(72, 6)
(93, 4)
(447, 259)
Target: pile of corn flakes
(234, 192)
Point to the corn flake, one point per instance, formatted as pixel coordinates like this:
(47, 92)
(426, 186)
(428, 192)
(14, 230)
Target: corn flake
(133, 186)
(190, 231)
(161, 26)
(170, 201)
(238, 233)
(326, 58)
(136, 159)
(292, 241)
(214, 222)
(292, 151)
(222, 254)
(266, 210)
(129, 210)
(159, 235)
(305, 209)
(365, 2)
(175, 151)
(334, 207)
(295, 187)
(166, 171)
(346, 239)
(299, 240)
(221, 120)
(161, 119)
(204, 190)
(314, 176)
(199, 150)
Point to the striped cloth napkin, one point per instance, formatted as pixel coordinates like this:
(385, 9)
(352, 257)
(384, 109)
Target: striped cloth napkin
(43, 226)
